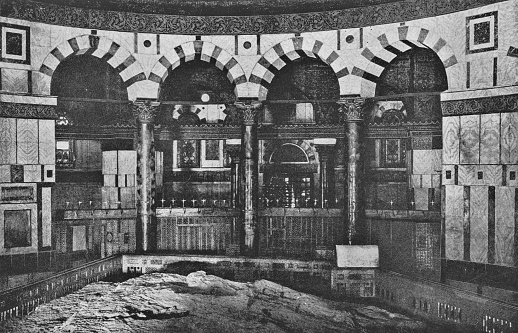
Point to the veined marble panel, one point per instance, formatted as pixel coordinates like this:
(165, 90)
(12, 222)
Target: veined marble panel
(436, 161)
(436, 181)
(47, 153)
(467, 175)
(509, 138)
(422, 162)
(426, 181)
(8, 152)
(7, 129)
(504, 225)
(479, 224)
(47, 131)
(46, 218)
(15, 80)
(450, 134)
(454, 200)
(490, 138)
(454, 238)
(27, 153)
(32, 173)
(492, 175)
(5, 173)
(470, 139)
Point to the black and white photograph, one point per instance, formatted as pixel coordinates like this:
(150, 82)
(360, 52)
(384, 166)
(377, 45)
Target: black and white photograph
(243, 166)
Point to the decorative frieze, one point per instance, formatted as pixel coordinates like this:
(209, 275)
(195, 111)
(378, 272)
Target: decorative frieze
(493, 104)
(399, 11)
(18, 110)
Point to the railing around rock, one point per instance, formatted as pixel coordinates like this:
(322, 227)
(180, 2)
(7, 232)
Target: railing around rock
(300, 233)
(20, 301)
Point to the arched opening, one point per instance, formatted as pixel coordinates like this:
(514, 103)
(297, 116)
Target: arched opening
(204, 89)
(404, 159)
(289, 178)
(304, 79)
(79, 80)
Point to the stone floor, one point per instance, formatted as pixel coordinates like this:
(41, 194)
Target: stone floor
(165, 302)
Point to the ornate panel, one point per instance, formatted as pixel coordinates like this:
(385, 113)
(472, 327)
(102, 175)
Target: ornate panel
(450, 133)
(421, 198)
(127, 18)
(188, 156)
(32, 173)
(492, 174)
(509, 138)
(490, 138)
(493, 104)
(469, 139)
(454, 211)
(479, 224)
(504, 225)
(467, 175)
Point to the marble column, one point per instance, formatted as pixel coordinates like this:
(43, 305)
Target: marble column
(351, 110)
(234, 153)
(145, 112)
(250, 174)
(323, 153)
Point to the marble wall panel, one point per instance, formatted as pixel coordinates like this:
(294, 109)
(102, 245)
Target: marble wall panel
(504, 225)
(128, 197)
(15, 80)
(422, 162)
(109, 162)
(490, 138)
(47, 153)
(7, 141)
(46, 218)
(469, 139)
(127, 161)
(27, 141)
(49, 173)
(492, 175)
(436, 161)
(467, 175)
(110, 197)
(5, 173)
(426, 181)
(32, 173)
(436, 181)
(421, 198)
(451, 141)
(509, 138)
(479, 224)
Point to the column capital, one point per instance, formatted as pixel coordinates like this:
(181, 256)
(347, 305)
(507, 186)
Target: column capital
(249, 110)
(145, 110)
(351, 109)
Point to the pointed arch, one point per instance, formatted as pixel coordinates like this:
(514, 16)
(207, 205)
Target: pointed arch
(288, 50)
(207, 52)
(393, 43)
(101, 47)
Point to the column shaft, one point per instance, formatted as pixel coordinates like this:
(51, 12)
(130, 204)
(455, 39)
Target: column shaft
(146, 218)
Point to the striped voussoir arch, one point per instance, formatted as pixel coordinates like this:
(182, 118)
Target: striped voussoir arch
(286, 51)
(207, 52)
(393, 43)
(101, 47)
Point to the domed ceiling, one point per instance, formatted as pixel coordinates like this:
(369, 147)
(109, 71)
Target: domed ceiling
(218, 7)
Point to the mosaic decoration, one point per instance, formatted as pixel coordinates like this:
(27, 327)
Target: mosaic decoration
(16, 110)
(400, 11)
(482, 33)
(15, 43)
(494, 104)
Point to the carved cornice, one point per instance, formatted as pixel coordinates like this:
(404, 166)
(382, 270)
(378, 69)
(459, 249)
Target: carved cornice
(351, 109)
(493, 104)
(250, 111)
(18, 110)
(399, 11)
(145, 111)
